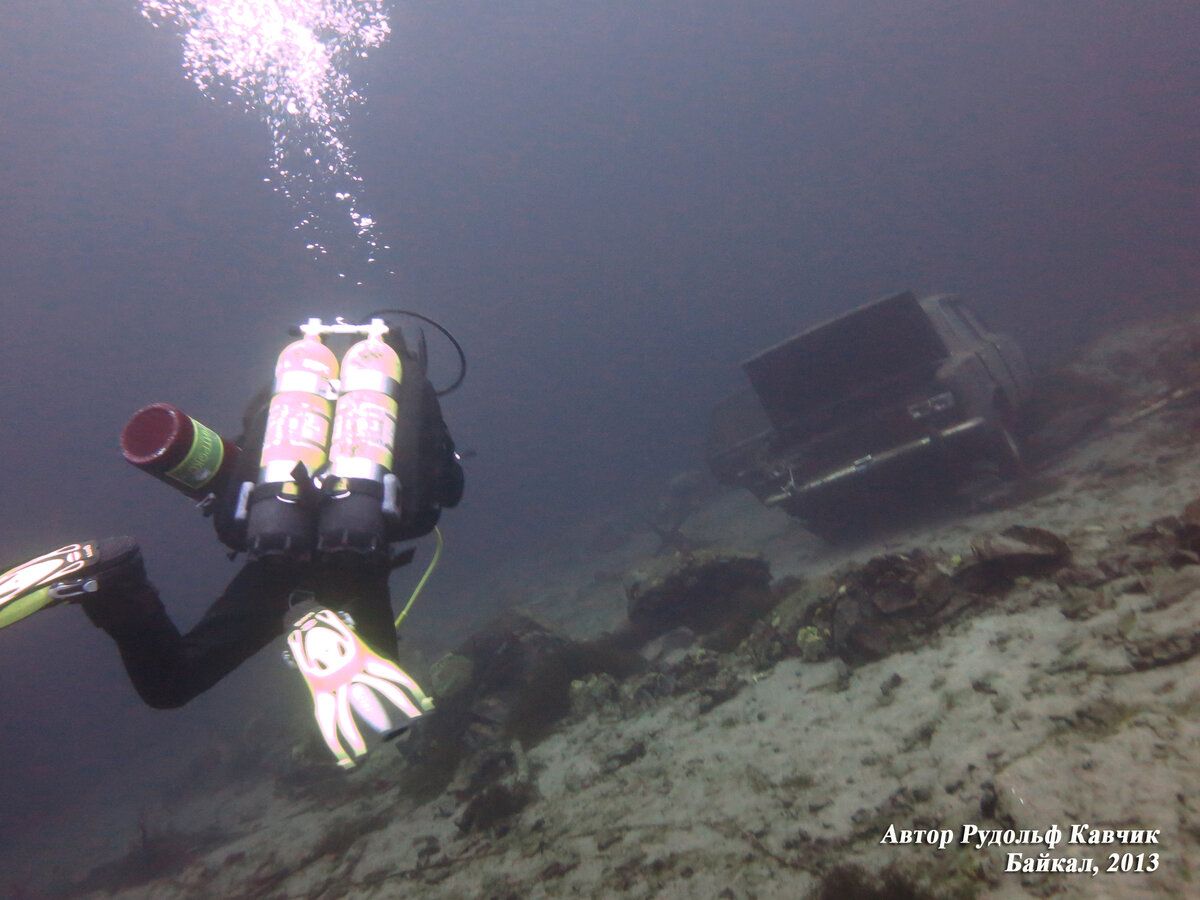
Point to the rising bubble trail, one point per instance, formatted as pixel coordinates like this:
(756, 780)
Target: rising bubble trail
(286, 61)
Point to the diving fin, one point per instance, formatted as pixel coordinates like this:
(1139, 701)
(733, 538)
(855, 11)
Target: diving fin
(351, 685)
(67, 574)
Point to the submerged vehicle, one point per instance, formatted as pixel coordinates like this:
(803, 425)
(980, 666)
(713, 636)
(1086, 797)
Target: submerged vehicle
(871, 412)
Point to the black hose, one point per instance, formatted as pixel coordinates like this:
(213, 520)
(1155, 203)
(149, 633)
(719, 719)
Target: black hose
(462, 357)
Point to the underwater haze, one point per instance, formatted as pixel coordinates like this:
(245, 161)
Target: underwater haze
(609, 204)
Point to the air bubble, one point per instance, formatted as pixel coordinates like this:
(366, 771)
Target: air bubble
(287, 61)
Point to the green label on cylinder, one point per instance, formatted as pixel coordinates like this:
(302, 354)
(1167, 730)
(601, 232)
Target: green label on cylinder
(203, 459)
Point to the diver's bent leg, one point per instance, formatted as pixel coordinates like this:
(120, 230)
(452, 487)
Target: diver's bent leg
(243, 620)
(168, 669)
(145, 637)
(362, 591)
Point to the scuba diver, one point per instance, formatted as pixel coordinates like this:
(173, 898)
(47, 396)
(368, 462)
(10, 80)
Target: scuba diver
(338, 461)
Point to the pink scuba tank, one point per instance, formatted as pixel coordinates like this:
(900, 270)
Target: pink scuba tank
(297, 433)
(359, 487)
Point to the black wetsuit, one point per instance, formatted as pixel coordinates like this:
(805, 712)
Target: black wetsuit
(169, 669)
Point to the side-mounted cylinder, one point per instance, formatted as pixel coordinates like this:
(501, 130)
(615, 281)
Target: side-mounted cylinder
(178, 450)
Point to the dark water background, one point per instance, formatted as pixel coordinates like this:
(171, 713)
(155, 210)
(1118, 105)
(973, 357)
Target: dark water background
(609, 203)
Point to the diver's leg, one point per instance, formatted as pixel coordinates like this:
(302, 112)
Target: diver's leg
(169, 669)
(352, 672)
(145, 636)
(107, 578)
(69, 574)
(360, 587)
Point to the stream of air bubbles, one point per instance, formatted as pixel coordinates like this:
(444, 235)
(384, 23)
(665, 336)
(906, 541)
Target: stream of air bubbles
(287, 62)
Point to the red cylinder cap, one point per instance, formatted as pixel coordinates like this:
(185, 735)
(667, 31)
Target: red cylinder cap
(152, 432)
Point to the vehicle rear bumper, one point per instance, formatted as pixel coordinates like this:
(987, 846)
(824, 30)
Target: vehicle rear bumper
(960, 433)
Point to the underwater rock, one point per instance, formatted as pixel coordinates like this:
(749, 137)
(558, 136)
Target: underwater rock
(891, 602)
(603, 696)
(496, 785)
(812, 644)
(764, 646)
(493, 806)
(450, 675)
(724, 687)
(785, 632)
(1171, 541)
(887, 605)
(507, 660)
(630, 754)
(488, 767)
(594, 694)
(516, 678)
(642, 691)
(1163, 650)
(1187, 536)
(482, 690)
(667, 649)
(493, 785)
(850, 881)
(698, 668)
(883, 605)
(1174, 587)
(1162, 634)
(703, 592)
(1018, 551)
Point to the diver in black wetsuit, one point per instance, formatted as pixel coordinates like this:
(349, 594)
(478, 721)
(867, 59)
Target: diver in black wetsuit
(107, 578)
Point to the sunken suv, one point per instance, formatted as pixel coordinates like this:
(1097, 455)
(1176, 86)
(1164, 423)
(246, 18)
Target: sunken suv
(872, 413)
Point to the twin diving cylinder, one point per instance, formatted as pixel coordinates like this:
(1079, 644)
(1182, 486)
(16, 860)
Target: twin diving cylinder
(331, 448)
(325, 479)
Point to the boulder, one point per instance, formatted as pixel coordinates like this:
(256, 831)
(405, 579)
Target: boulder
(702, 591)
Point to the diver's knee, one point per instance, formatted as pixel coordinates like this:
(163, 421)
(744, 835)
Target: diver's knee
(163, 696)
